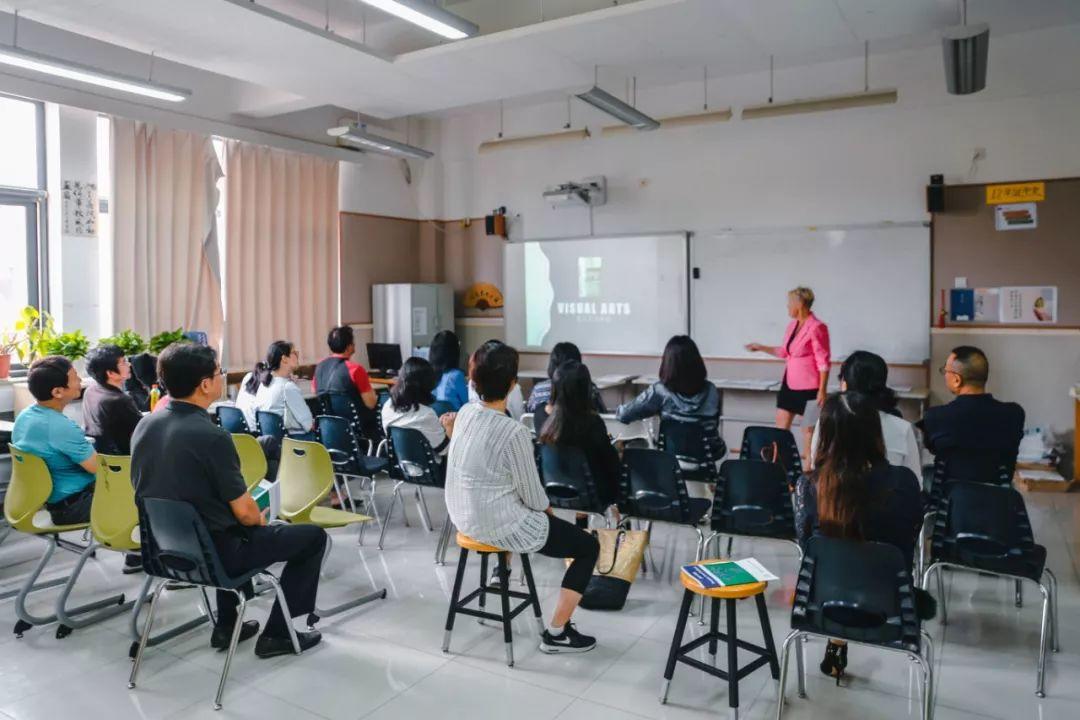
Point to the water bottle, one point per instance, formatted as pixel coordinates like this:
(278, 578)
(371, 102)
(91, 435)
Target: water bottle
(155, 395)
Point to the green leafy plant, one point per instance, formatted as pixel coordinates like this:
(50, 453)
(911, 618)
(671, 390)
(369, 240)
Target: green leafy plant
(72, 345)
(164, 339)
(9, 342)
(129, 342)
(34, 330)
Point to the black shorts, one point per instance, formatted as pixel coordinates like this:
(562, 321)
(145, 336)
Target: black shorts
(794, 401)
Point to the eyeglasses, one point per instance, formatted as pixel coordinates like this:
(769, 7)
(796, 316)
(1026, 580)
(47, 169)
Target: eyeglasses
(945, 370)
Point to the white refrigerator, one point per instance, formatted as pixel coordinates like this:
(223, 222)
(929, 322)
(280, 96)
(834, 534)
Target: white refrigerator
(410, 314)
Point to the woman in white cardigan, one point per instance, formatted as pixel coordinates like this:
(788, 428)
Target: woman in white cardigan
(866, 374)
(494, 494)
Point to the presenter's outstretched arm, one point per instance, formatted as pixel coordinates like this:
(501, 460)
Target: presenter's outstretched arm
(757, 347)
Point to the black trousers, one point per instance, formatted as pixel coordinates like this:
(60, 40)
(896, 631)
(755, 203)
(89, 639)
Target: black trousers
(566, 540)
(300, 547)
(74, 509)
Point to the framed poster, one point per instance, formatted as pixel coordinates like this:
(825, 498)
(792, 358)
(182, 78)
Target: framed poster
(1030, 304)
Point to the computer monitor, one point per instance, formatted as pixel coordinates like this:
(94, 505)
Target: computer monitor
(384, 357)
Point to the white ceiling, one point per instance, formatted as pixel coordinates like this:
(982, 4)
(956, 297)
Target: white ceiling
(402, 71)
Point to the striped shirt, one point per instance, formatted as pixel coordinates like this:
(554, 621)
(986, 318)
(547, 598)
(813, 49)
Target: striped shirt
(493, 492)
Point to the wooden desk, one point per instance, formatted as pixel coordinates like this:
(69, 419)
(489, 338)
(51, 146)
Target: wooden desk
(383, 382)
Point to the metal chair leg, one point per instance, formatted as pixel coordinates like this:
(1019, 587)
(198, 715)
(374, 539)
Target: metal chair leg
(1054, 626)
(146, 634)
(425, 518)
(1019, 593)
(241, 607)
(207, 615)
(800, 664)
(785, 656)
(318, 613)
(390, 511)
(928, 675)
(444, 541)
(113, 605)
(1040, 682)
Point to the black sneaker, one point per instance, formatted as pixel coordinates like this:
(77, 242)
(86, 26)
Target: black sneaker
(268, 647)
(570, 641)
(132, 564)
(219, 639)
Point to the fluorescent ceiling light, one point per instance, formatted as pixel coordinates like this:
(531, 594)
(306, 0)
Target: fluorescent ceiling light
(676, 121)
(359, 136)
(82, 73)
(428, 16)
(524, 140)
(616, 108)
(821, 104)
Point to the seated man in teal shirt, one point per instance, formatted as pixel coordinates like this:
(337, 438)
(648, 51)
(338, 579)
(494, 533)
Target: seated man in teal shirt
(43, 430)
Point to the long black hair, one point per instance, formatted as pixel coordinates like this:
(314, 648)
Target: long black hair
(866, 374)
(563, 352)
(850, 444)
(571, 403)
(445, 353)
(682, 370)
(263, 372)
(415, 383)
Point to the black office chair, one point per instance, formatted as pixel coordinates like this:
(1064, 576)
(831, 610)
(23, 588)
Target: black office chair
(417, 465)
(698, 450)
(965, 466)
(753, 500)
(177, 547)
(540, 418)
(654, 491)
(861, 592)
(985, 528)
(339, 437)
(232, 420)
(365, 421)
(270, 423)
(564, 471)
(774, 445)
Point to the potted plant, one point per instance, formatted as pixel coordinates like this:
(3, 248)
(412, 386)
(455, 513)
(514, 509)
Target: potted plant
(166, 338)
(34, 330)
(72, 345)
(129, 342)
(9, 345)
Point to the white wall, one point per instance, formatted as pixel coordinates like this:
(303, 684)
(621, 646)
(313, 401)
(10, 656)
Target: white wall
(859, 165)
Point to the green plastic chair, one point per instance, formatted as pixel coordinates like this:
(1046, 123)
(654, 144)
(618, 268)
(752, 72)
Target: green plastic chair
(24, 509)
(252, 459)
(306, 476)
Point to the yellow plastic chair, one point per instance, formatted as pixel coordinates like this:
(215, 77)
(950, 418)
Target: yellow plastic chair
(306, 476)
(252, 459)
(114, 524)
(24, 509)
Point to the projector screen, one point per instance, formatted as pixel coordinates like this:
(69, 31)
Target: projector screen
(604, 294)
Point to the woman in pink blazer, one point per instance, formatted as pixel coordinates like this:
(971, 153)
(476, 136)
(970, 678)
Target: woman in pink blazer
(806, 371)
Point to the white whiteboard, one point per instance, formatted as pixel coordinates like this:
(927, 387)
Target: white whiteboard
(614, 294)
(872, 288)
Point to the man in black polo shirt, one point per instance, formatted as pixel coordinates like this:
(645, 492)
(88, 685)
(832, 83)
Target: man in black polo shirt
(975, 434)
(109, 414)
(180, 454)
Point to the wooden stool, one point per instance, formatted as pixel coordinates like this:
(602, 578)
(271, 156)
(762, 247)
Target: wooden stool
(681, 653)
(507, 615)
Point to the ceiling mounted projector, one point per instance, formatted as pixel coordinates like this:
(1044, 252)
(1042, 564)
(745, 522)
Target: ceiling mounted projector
(363, 139)
(590, 192)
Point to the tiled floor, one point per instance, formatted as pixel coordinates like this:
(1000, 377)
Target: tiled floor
(384, 660)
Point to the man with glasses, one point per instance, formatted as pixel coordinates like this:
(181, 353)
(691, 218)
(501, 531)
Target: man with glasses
(180, 454)
(975, 434)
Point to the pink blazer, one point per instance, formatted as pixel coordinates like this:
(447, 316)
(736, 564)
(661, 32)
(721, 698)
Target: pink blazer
(809, 354)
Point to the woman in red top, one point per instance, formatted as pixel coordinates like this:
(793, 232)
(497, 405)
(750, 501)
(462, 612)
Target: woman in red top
(806, 371)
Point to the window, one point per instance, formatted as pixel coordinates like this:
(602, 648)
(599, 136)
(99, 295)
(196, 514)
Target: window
(22, 180)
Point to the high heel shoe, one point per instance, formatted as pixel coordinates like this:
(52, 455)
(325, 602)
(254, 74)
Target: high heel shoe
(835, 660)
